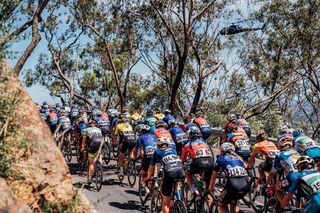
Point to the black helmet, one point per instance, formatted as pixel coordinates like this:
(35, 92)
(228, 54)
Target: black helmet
(261, 136)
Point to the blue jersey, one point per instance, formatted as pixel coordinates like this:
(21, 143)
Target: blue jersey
(65, 123)
(168, 118)
(165, 157)
(178, 135)
(81, 127)
(189, 125)
(231, 165)
(308, 181)
(148, 142)
(313, 152)
(286, 160)
(74, 112)
(151, 121)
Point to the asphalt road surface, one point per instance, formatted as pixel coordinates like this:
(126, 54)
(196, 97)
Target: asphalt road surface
(113, 196)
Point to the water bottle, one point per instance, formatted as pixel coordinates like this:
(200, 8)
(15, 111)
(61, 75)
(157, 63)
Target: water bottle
(178, 194)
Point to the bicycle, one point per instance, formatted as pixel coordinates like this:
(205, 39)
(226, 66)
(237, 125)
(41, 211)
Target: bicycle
(202, 202)
(106, 152)
(178, 204)
(97, 163)
(130, 170)
(155, 183)
(273, 204)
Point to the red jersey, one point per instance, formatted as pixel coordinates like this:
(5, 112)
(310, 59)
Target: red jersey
(162, 133)
(201, 122)
(195, 149)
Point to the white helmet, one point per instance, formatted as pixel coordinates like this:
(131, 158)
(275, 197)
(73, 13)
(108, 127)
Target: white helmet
(227, 147)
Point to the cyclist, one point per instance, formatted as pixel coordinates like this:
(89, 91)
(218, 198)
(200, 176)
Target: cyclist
(203, 124)
(147, 142)
(244, 124)
(92, 138)
(202, 160)
(172, 168)
(168, 117)
(126, 113)
(52, 120)
(307, 181)
(237, 185)
(188, 124)
(44, 111)
(283, 165)
(74, 114)
(239, 138)
(135, 118)
(158, 114)
(306, 146)
(179, 137)
(57, 107)
(103, 122)
(284, 131)
(127, 139)
(267, 149)
(150, 120)
(232, 118)
(162, 132)
(64, 126)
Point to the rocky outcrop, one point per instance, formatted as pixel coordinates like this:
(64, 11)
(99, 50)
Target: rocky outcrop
(38, 173)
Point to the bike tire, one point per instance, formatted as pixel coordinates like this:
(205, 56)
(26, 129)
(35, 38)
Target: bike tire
(106, 154)
(68, 151)
(156, 202)
(185, 193)
(256, 199)
(132, 173)
(270, 205)
(98, 176)
(179, 207)
(214, 208)
(82, 164)
(120, 177)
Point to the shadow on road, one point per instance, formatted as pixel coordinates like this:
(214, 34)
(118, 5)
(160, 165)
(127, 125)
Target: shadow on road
(129, 205)
(133, 192)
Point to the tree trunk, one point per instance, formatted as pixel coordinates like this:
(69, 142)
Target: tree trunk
(197, 96)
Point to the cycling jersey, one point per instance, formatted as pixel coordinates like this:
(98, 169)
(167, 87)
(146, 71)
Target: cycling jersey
(201, 122)
(81, 127)
(103, 123)
(93, 133)
(44, 113)
(148, 142)
(266, 148)
(308, 182)
(178, 135)
(286, 160)
(52, 119)
(231, 165)
(93, 139)
(168, 118)
(151, 121)
(135, 117)
(187, 126)
(74, 112)
(241, 143)
(65, 123)
(162, 133)
(125, 131)
(196, 149)
(159, 116)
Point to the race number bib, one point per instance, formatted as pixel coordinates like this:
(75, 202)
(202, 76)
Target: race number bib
(309, 144)
(181, 137)
(313, 180)
(242, 144)
(128, 135)
(236, 171)
(202, 153)
(149, 150)
(273, 153)
(170, 159)
(204, 125)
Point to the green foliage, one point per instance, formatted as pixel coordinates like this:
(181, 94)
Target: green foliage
(9, 100)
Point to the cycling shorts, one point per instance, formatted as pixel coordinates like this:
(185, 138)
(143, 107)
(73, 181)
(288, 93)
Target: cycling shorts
(267, 164)
(169, 179)
(93, 148)
(235, 189)
(202, 165)
(248, 131)
(313, 205)
(124, 146)
(145, 163)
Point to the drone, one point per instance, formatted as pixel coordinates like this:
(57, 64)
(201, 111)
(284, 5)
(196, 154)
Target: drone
(234, 29)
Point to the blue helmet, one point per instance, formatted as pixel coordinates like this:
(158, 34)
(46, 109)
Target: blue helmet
(297, 132)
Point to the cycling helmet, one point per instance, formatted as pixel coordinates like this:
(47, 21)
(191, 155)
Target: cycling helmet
(304, 162)
(58, 105)
(285, 142)
(122, 118)
(227, 147)
(145, 129)
(297, 132)
(304, 143)
(160, 123)
(99, 113)
(194, 131)
(232, 117)
(92, 121)
(261, 136)
(163, 142)
(172, 122)
(288, 124)
(45, 106)
(62, 112)
(80, 120)
(238, 115)
(283, 129)
(52, 110)
(167, 111)
(149, 113)
(157, 110)
(44, 103)
(125, 109)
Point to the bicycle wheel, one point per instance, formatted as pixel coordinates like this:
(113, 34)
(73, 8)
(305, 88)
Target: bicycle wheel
(186, 194)
(82, 163)
(256, 199)
(208, 198)
(156, 202)
(68, 152)
(120, 177)
(132, 173)
(98, 176)
(106, 154)
(115, 151)
(271, 205)
(179, 207)
(214, 206)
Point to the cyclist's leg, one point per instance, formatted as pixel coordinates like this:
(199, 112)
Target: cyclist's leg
(166, 190)
(144, 169)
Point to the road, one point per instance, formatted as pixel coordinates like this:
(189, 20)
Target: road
(115, 197)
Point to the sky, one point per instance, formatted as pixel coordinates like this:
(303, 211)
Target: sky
(41, 94)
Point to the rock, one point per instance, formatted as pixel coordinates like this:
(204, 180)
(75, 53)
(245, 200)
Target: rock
(8, 203)
(40, 174)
